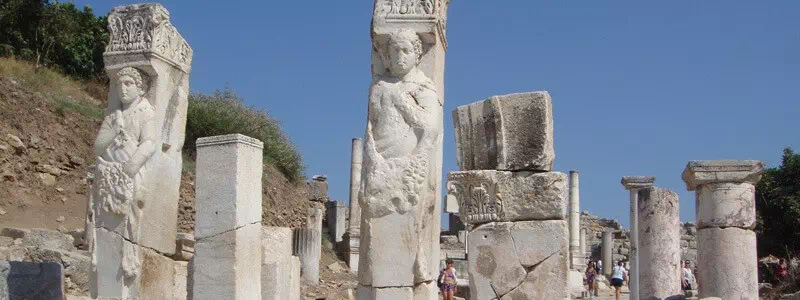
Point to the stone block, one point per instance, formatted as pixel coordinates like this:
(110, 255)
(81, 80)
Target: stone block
(727, 263)
(726, 205)
(637, 182)
(499, 196)
(228, 184)
(317, 190)
(294, 278)
(158, 276)
(336, 211)
(181, 283)
(516, 259)
(29, 280)
(228, 265)
(700, 172)
(276, 263)
(184, 247)
(509, 132)
(276, 243)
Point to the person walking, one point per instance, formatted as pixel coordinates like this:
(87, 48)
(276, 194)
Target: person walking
(447, 281)
(591, 272)
(618, 275)
(688, 277)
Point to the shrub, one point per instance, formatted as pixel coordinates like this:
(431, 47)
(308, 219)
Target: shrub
(224, 112)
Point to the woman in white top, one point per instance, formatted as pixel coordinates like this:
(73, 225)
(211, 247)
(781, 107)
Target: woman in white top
(618, 276)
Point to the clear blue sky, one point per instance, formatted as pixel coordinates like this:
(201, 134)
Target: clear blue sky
(638, 88)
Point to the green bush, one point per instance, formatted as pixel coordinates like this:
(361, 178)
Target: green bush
(224, 112)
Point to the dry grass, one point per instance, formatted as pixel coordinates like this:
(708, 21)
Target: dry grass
(66, 93)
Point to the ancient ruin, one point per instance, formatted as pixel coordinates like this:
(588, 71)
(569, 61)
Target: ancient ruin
(519, 241)
(402, 159)
(726, 216)
(133, 203)
(633, 184)
(228, 254)
(659, 244)
(354, 227)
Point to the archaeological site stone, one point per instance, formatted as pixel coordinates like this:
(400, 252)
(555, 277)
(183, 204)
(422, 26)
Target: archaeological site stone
(29, 280)
(227, 260)
(519, 259)
(307, 246)
(633, 184)
(607, 251)
(509, 132)
(726, 243)
(659, 244)
(276, 263)
(133, 198)
(400, 193)
(489, 196)
(354, 228)
(336, 220)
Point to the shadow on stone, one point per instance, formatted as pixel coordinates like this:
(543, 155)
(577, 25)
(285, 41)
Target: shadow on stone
(31, 281)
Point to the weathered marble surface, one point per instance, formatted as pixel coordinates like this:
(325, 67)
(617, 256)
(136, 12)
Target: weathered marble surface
(498, 196)
(228, 254)
(699, 172)
(576, 255)
(726, 204)
(727, 263)
(354, 227)
(276, 263)
(659, 244)
(134, 182)
(519, 259)
(508, 132)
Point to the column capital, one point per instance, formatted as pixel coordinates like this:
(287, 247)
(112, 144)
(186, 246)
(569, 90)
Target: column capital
(637, 182)
(700, 172)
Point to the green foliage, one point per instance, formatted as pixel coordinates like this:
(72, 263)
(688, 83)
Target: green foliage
(90, 111)
(56, 35)
(224, 112)
(778, 208)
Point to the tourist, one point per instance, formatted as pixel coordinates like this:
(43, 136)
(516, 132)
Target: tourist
(617, 277)
(447, 281)
(688, 277)
(599, 266)
(591, 272)
(781, 270)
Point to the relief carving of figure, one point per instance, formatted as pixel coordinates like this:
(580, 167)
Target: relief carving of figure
(404, 126)
(125, 143)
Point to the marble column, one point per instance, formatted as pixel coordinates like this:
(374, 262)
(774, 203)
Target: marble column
(659, 244)
(582, 246)
(726, 215)
(354, 228)
(576, 256)
(633, 184)
(227, 260)
(607, 253)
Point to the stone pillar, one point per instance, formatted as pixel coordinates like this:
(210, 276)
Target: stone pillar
(227, 260)
(354, 229)
(276, 264)
(307, 245)
(607, 253)
(576, 257)
(511, 201)
(726, 216)
(582, 247)
(402, 198)
(659, 244)
(633, 184)
(133, 200)
(336, 220)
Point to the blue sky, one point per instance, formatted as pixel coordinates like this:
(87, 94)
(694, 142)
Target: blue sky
(638, 88)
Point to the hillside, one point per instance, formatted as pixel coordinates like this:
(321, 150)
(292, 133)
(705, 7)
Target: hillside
(48, 124)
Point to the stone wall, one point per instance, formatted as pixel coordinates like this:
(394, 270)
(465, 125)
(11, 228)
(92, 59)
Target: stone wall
(595, 226)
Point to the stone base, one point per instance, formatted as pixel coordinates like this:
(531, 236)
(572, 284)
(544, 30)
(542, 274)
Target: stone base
(728, 264)
(393, 293)
(519, 260)
(228, 265)
(576, 287)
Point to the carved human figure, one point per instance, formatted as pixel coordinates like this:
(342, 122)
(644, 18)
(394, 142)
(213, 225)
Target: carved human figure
(404, 125)
(123, 146)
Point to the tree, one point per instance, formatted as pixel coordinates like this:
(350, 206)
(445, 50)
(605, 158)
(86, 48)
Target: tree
(778, 208)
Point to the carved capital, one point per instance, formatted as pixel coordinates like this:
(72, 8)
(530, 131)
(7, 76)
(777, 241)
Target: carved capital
(145, 28)
(427, 17)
